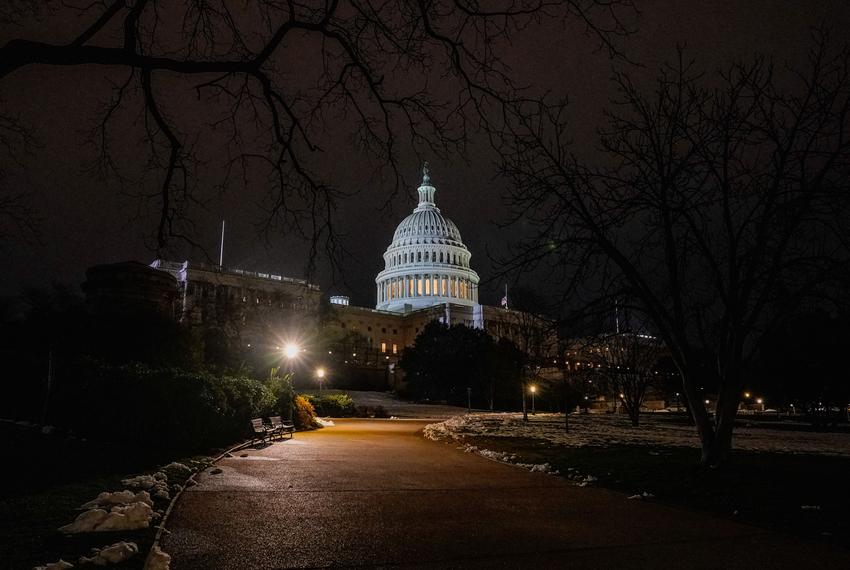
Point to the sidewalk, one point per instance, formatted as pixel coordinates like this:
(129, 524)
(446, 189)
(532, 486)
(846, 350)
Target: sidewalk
(375, 493)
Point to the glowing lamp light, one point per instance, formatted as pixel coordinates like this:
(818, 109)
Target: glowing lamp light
(291, 350)
(759, 401)
(706, 402)
(746, 394)
(320, 372)
(622, 395)
(533, 389)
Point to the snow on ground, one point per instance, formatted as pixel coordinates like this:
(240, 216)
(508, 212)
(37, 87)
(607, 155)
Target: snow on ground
(112, 554)
(509, 458)
(123, 517)
(607, 430)
(125, 497)
(158, 560)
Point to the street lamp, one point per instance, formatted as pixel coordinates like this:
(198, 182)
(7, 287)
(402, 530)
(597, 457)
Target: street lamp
(320, 374)
(533, 390)
(291, 350)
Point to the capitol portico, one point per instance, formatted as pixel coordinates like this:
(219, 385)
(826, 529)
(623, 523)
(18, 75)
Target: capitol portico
(427, 263)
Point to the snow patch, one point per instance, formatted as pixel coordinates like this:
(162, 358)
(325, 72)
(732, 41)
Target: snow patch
(178, 469)
(605, 430)
(510, 458)
(107, 499)
(139, 482)
(112, 554)
(123, 517)
(325, 423)
(158, 560)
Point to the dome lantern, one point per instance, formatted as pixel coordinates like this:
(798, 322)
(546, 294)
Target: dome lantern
(426, 191)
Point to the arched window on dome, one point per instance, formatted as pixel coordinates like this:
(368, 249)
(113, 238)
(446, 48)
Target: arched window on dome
(454, 259)
(427, 256)
(441, 257)
(418, 256)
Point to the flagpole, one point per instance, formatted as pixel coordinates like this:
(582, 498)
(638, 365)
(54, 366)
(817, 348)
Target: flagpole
(221, 249)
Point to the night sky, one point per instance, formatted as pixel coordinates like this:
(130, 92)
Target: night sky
(84, 222)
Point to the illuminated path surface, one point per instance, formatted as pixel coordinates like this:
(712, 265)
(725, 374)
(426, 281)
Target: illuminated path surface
(375, 493)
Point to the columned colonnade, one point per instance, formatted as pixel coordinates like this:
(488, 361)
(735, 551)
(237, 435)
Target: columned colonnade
(427, 285)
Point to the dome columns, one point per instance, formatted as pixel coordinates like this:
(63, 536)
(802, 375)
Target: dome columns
(441, 287)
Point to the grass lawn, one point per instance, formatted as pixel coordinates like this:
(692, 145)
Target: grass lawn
(763, 489)
(45, 480)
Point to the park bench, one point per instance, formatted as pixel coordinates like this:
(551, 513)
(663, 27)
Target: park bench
(261, 432)
(278, 426)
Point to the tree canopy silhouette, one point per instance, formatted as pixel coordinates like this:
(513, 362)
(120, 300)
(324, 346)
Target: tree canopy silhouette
(719, 204)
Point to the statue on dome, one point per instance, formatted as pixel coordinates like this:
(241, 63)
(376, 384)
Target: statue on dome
(426, 173)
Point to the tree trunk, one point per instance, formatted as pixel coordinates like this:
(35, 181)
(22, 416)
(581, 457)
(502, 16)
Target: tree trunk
(726, 411)
(696, 407)
(634, 415)
(524, 407)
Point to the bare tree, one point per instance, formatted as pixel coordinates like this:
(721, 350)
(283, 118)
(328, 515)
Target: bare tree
(627, 361)
(719, 204)
(273, 79)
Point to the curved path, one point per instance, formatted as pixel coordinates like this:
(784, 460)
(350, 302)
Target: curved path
(376, 493)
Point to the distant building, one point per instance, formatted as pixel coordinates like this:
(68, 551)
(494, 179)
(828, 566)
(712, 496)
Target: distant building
(130, 288)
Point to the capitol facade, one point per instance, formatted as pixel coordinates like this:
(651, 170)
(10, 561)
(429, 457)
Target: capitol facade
(427, 262)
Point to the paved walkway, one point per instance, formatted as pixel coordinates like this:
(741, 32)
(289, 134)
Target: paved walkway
(375, 493)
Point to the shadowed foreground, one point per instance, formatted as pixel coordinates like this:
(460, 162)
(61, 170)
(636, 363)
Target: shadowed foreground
(375, 493)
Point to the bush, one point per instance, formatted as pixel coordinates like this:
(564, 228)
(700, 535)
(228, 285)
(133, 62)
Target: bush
(333, 405)
(305, 415)
(282, 394)
(157, 407)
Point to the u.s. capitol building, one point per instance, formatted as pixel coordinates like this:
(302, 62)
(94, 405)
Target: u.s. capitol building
(427, 277)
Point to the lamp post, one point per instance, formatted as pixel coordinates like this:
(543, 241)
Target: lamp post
(290, 352)
(533, 390)
(320, 375)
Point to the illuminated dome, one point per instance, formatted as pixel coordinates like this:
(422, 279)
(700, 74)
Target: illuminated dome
(426, 264)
